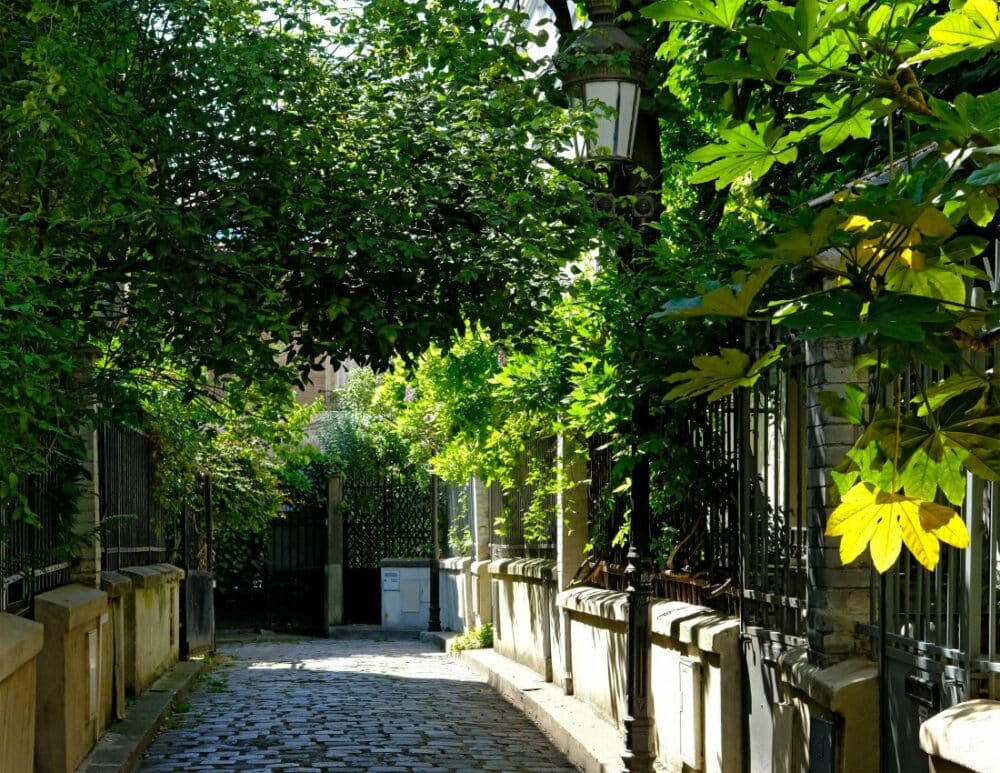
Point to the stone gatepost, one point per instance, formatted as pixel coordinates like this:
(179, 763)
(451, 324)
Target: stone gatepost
(85, 565)
(334, 568)
(838, 596)
(572, 535)
(572, 532)
(482, 534)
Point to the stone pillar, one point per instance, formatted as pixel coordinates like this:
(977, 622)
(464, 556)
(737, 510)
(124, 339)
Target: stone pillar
(335, 553)
(837, 596)
(482, 592)
(20, 642)
(479, 510)
(572, 529)
(86, 560)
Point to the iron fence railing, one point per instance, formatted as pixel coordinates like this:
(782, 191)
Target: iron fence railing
(524, 522)
(736, 539)
(129, 531)
(947, 621)
(387, 516)
(459, 538)
(773, 459)
(33, 557)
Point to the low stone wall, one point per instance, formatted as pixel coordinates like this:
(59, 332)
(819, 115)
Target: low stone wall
(595, 621)
(695, 675)
(74, 676)
(697, 688)
(152, 619)
(526, 628)
(456, 594)
(482, 593)
(839, 704)
(20, 642)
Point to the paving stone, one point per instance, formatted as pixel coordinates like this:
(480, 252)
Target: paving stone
(349, 705)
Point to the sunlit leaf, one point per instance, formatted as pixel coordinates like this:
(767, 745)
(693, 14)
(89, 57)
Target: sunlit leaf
(719, 375)
(722, 13)
(884, 521)
(745, 151)
(848, 406)
(734, 300)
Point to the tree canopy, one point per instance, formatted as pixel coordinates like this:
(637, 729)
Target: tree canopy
(193, 187)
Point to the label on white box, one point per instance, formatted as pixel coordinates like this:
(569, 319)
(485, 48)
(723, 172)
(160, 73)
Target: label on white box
(390, 579)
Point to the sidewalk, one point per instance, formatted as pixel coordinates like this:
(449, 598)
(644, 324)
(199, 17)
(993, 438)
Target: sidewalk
(120, 748)
(588, 741)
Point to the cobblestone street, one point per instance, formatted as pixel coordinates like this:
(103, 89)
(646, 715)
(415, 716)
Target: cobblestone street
(323, 704)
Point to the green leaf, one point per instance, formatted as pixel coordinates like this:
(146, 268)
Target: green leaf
(957, 385)
(936, 281)
(981, 207)
(726, 71)
(838, 120)
(979, 439)
(988, 175)
(975, 24)
(766, 57)
(745, 151)
(719, 375)
(973, 28)
(720, 14)
(848, 406)
(730, 301)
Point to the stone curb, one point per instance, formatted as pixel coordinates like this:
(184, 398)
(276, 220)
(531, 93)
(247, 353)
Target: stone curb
(587, 740)
(123, 744)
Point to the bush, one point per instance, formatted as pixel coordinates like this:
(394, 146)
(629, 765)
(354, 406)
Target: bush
(474, 639)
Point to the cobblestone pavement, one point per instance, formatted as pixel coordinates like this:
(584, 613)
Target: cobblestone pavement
(325, 704)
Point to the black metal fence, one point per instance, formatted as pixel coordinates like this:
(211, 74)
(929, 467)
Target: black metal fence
(773, 469)
(32, 557)
(524, 522)
(129, 532)
(386, 516)
(735, 539)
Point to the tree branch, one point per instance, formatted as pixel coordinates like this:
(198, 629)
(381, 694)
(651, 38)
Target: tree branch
(564, 19)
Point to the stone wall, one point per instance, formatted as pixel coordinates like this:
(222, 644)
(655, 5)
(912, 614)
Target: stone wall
(525, 623)
(20, 643)
(93, 644)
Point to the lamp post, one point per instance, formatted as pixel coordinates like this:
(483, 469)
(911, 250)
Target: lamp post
(605, 68)
(434, 614)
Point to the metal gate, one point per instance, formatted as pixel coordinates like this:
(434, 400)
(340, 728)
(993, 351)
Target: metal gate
(295, 583)
(385, 516)
(940, 643)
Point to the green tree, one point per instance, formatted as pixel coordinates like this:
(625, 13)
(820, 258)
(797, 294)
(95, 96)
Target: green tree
(192, 182)
(819, 95)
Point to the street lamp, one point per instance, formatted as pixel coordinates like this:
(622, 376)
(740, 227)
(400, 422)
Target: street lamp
(605, 68)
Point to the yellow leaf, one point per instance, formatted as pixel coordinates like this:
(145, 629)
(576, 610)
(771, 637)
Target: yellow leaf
(945, 524)
(887, 540)
(921, 543)
(884, 521)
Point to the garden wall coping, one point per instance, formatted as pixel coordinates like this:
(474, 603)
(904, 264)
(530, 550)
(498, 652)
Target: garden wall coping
(687, 623)
(531, 568)
(597, 602)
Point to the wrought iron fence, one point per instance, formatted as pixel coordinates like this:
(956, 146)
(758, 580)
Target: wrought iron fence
(32, 557)
(524, 524)
(129, 531)
(773, 459)
(387, 516)
(946, 623)
(459, 537)
(736, 540)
